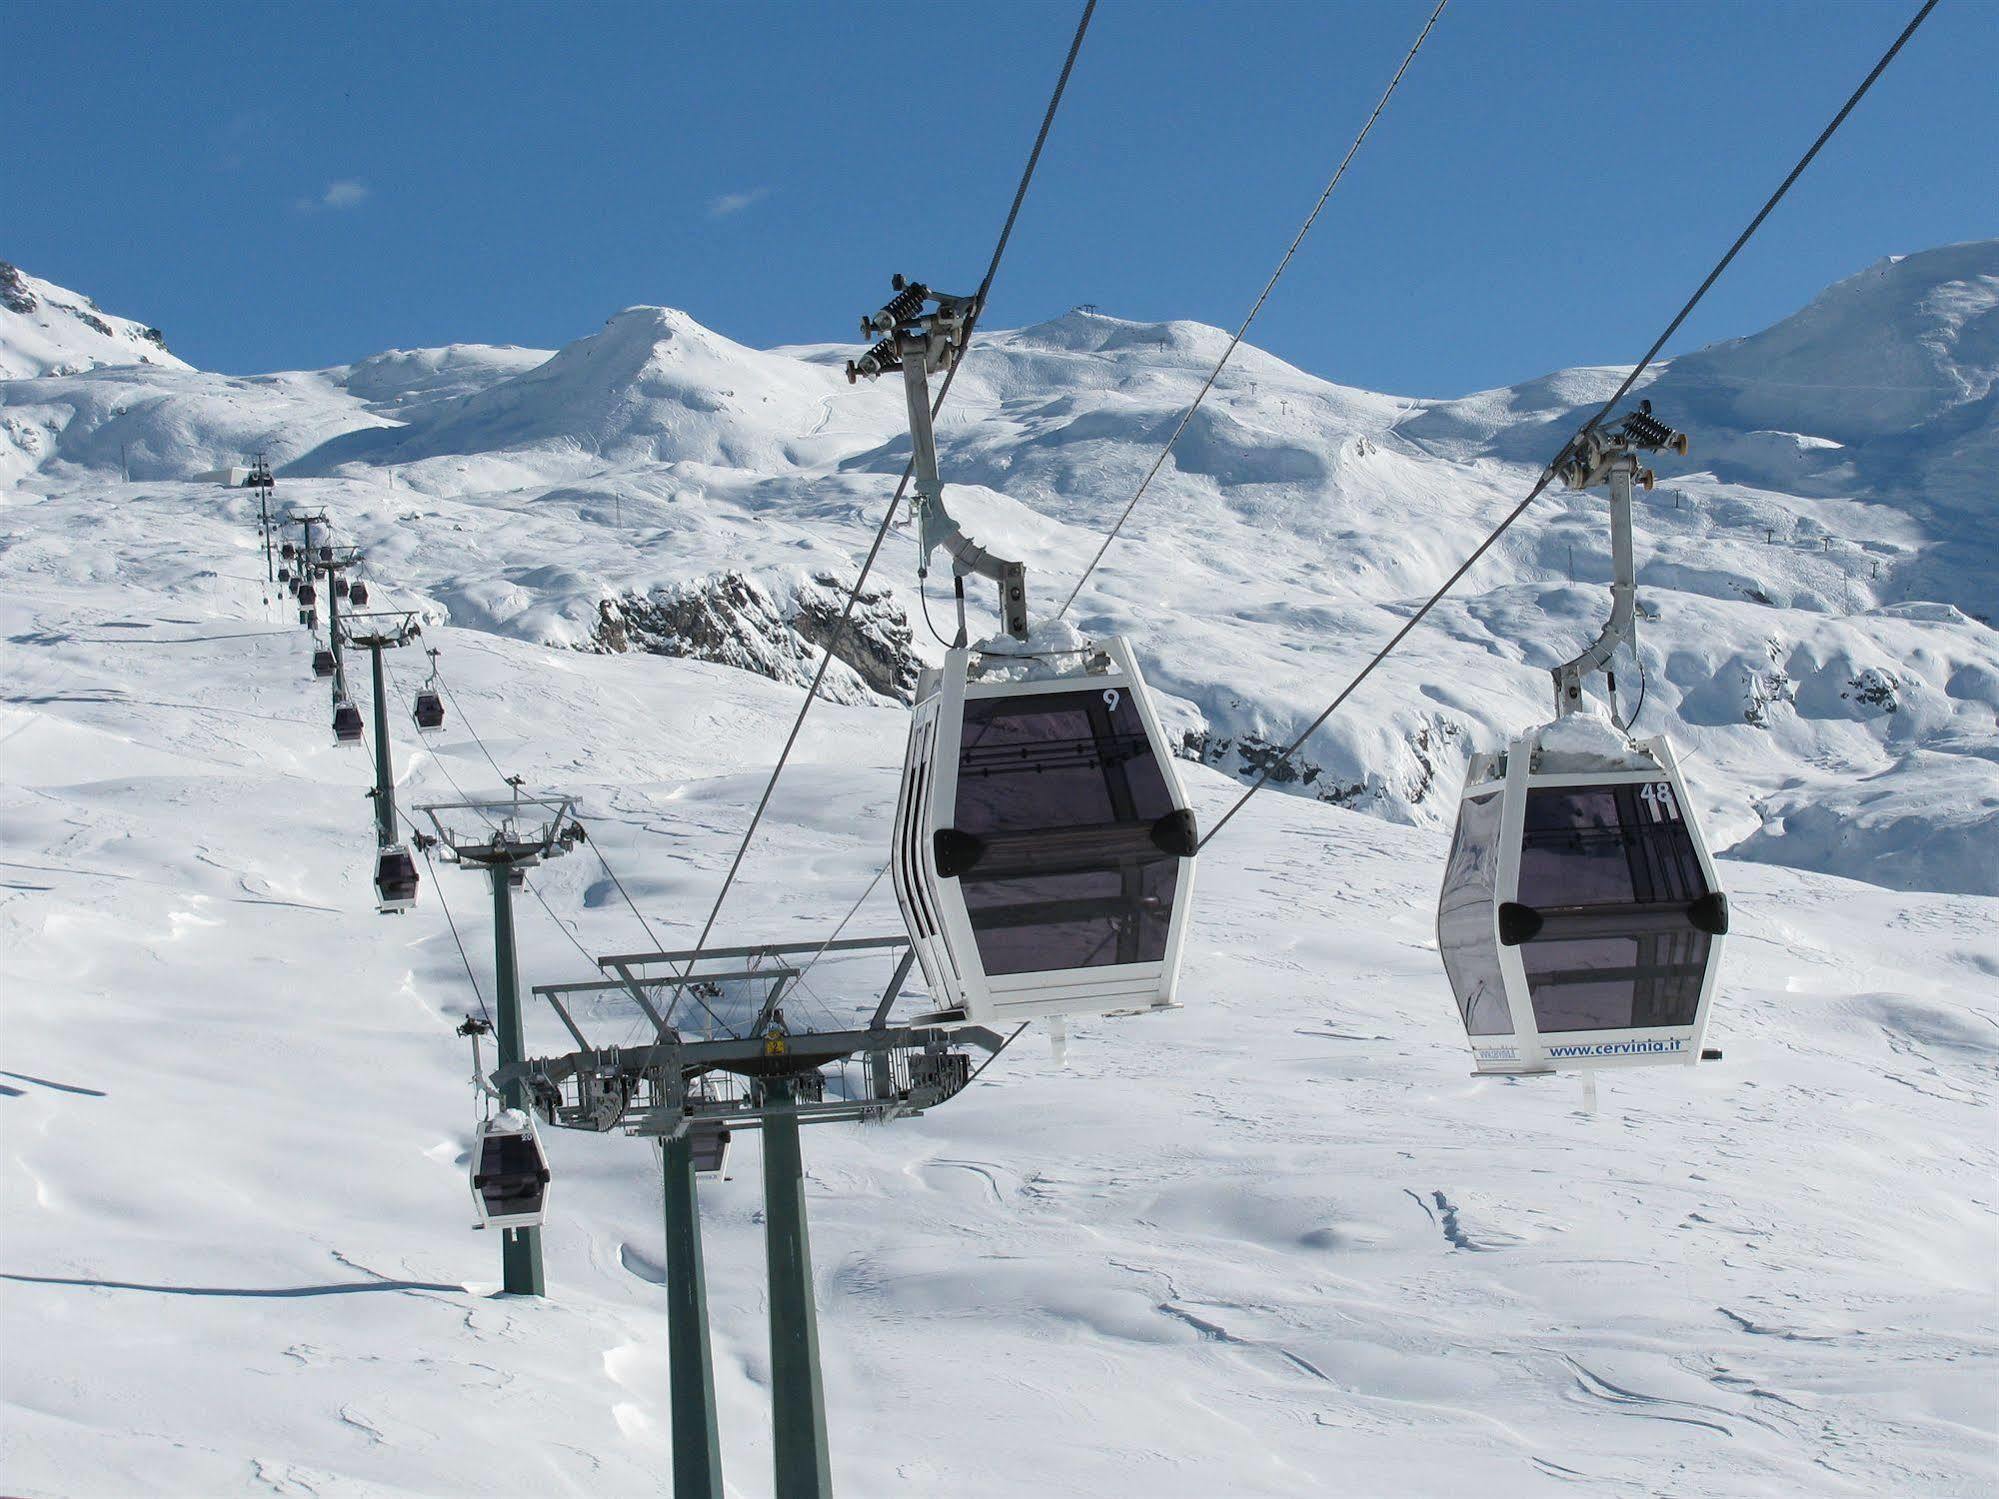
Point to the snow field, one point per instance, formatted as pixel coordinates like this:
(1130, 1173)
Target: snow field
(1274, 1243)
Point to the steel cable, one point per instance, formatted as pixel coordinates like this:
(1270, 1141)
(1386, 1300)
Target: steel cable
(1255, 307)
(902, 486)
(1548, 473)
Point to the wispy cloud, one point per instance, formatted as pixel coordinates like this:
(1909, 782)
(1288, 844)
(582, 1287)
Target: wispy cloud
(239, 135)
(348, 192)
(730, 204)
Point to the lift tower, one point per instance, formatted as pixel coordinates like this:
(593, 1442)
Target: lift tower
(330, 563)
(725, 1058)
(302, 557)
(395, 870)
(260, 480)
(504, 839)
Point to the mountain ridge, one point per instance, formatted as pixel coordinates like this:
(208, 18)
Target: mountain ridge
(1296, 523)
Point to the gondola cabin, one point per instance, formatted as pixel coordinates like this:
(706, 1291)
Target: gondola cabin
(509, 1172)
(1581, 921)
(358, 591)
(322, 662)
(1044, 851)
(395, 880)
(340, 587)
(710, 1141)
(307, 594)
(428, 711)
(346, 723)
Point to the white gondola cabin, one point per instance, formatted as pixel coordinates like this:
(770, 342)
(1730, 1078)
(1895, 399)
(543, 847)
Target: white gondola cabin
(347, 726)
(395, 879)
(1581, 921)
(1044, 851)
(509, 1172)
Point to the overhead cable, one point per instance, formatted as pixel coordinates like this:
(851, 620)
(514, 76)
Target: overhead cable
(1548, 473)
(902, 486)
(1255, 307)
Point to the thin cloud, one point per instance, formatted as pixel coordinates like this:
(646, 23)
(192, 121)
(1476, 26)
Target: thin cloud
(730, 204)
(348, 192)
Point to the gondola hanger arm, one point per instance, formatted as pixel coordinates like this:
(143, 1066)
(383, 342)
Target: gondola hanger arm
(921, 344)
(1610, 457)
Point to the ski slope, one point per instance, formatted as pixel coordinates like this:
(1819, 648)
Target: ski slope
(1276, 1243)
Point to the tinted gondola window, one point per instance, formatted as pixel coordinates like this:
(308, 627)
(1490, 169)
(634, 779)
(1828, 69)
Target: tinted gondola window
(1465, 933)
(510, 1168)
(1063, 791)
(1606, 846)
(1611, 870)
(1616, 983)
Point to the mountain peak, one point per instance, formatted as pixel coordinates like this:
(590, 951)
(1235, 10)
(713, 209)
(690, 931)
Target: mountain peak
(47, 329)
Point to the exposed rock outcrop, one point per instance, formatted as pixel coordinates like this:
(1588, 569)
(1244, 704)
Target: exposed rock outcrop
(776, 630)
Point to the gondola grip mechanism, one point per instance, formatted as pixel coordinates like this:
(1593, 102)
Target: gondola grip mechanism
(921, 344)
(1609, 458)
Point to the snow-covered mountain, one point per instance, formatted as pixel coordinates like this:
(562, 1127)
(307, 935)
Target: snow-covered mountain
(1276, 1243)
(45, 330)
(1817, 576)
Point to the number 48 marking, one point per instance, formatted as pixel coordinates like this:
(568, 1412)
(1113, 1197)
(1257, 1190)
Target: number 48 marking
(1658, 798)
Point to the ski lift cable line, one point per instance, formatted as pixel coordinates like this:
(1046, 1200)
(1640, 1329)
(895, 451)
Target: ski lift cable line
(423, 843)
(645, 925)
(1548, 473)
(852, 911)
(418, 768)
(462, 718)
(437, 885)
(1255, 307)
(901, 488)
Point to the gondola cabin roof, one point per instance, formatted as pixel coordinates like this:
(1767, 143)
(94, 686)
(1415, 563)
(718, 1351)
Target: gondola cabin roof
(1043, 847)
(1581, 919)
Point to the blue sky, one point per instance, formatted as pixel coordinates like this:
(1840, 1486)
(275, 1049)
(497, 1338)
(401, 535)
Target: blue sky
(287, 186)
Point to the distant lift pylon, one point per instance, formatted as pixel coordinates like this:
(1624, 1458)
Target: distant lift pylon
(1043, 850)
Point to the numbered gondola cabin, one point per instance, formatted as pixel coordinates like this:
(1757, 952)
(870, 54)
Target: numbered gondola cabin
(1044, 850)
(1581, 921)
